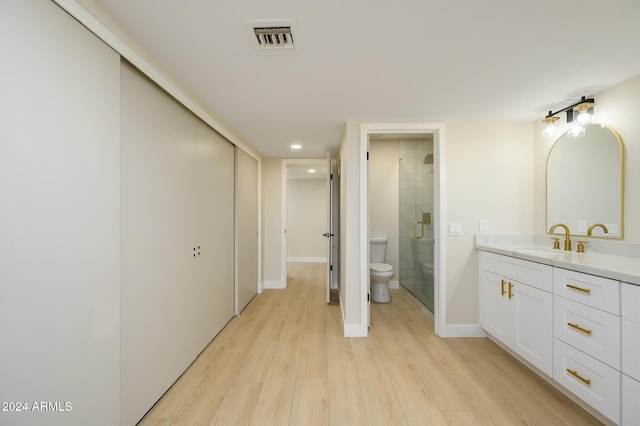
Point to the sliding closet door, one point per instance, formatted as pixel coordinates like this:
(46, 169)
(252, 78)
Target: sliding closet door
(215, 237)
(247, 227)
(59, 219)
(159, 252)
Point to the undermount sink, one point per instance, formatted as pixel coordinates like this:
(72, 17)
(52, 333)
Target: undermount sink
(543, 251)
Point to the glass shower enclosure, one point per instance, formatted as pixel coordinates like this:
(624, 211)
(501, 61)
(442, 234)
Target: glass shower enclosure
(416, 195)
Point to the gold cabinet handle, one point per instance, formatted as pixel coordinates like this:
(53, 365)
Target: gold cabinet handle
(577, 327)
(502, 283)
(510, 292)
(579, 377)
(575, 287)
(415, 235)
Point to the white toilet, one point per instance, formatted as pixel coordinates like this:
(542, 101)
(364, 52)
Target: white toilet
(380, 272)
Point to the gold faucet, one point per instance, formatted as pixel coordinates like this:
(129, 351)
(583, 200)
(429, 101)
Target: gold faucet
(567, 241)
(595, 225)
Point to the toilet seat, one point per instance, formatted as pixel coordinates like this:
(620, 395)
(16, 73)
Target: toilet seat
(380, 267)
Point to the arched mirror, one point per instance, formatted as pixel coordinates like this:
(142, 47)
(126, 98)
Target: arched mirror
(585, 181)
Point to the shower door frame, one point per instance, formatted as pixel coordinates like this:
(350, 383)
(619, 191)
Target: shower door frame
(438, 131)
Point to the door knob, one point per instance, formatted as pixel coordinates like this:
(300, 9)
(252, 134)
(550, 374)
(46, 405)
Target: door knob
(327, 234)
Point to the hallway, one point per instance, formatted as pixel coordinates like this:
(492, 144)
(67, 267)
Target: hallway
(284, 362)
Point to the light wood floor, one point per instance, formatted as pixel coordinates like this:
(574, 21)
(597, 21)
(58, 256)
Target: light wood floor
(284, 362)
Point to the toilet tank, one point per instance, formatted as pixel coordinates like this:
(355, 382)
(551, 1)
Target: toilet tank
(377, 249)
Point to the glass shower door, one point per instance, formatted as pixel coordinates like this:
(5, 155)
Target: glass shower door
(415, 215)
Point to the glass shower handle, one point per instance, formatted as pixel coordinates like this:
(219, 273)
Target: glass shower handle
(415, 234)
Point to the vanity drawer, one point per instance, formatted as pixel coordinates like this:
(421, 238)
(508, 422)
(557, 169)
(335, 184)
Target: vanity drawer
(600, 293)
(593, 381)
(630, 301)
(534, 274)
(594, 332)
(631, 348)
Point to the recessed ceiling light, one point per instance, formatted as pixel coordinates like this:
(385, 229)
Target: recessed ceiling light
(296, 146)
(311, 170)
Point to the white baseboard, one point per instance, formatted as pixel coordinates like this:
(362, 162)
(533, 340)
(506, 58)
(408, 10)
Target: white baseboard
(306, 259)
(394, 285)
(463, 330)
(273, 285)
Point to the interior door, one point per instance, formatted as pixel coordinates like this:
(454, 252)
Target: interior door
(329, 234)
(246, 229)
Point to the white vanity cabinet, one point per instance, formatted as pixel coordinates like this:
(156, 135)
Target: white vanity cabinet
(587, 338)
(516, 306)
(630, 298)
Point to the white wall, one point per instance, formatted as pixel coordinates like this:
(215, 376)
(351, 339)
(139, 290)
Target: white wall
(489, 176)
(306, 220)
(353, 264)
(383, 197)
(617, 107)
(271, 227)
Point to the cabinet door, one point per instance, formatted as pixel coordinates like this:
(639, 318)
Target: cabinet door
(494, 305)
(630, 398)
(531, 325)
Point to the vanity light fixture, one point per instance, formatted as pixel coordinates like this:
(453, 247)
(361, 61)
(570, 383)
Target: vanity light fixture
(584, 110)
(550, 120)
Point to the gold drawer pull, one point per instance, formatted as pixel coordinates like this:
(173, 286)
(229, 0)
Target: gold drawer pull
(579, 377)
(575, 287)
(577, 327)
(502, 284)
(510, 291)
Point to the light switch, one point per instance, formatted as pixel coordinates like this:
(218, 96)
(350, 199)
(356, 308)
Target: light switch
(455, 229)
(483, 225)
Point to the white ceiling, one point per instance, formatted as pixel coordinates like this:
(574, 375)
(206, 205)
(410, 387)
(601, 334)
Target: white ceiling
(381, 60)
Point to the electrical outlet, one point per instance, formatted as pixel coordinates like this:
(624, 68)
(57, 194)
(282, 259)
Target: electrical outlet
(455, 229)
(483, 225)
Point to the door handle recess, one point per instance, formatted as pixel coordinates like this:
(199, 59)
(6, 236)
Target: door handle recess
(415, 235)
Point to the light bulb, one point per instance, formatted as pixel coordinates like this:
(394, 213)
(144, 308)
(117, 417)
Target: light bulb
(584, 116)
(550, 130)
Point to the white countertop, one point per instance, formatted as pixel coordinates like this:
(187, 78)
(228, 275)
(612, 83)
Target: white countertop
(617, 260)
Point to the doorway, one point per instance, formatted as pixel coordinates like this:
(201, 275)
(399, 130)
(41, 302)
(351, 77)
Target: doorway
(408, 131)
(304, 212)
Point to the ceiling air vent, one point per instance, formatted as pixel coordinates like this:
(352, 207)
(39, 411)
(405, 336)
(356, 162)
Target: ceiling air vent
(274, 37)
